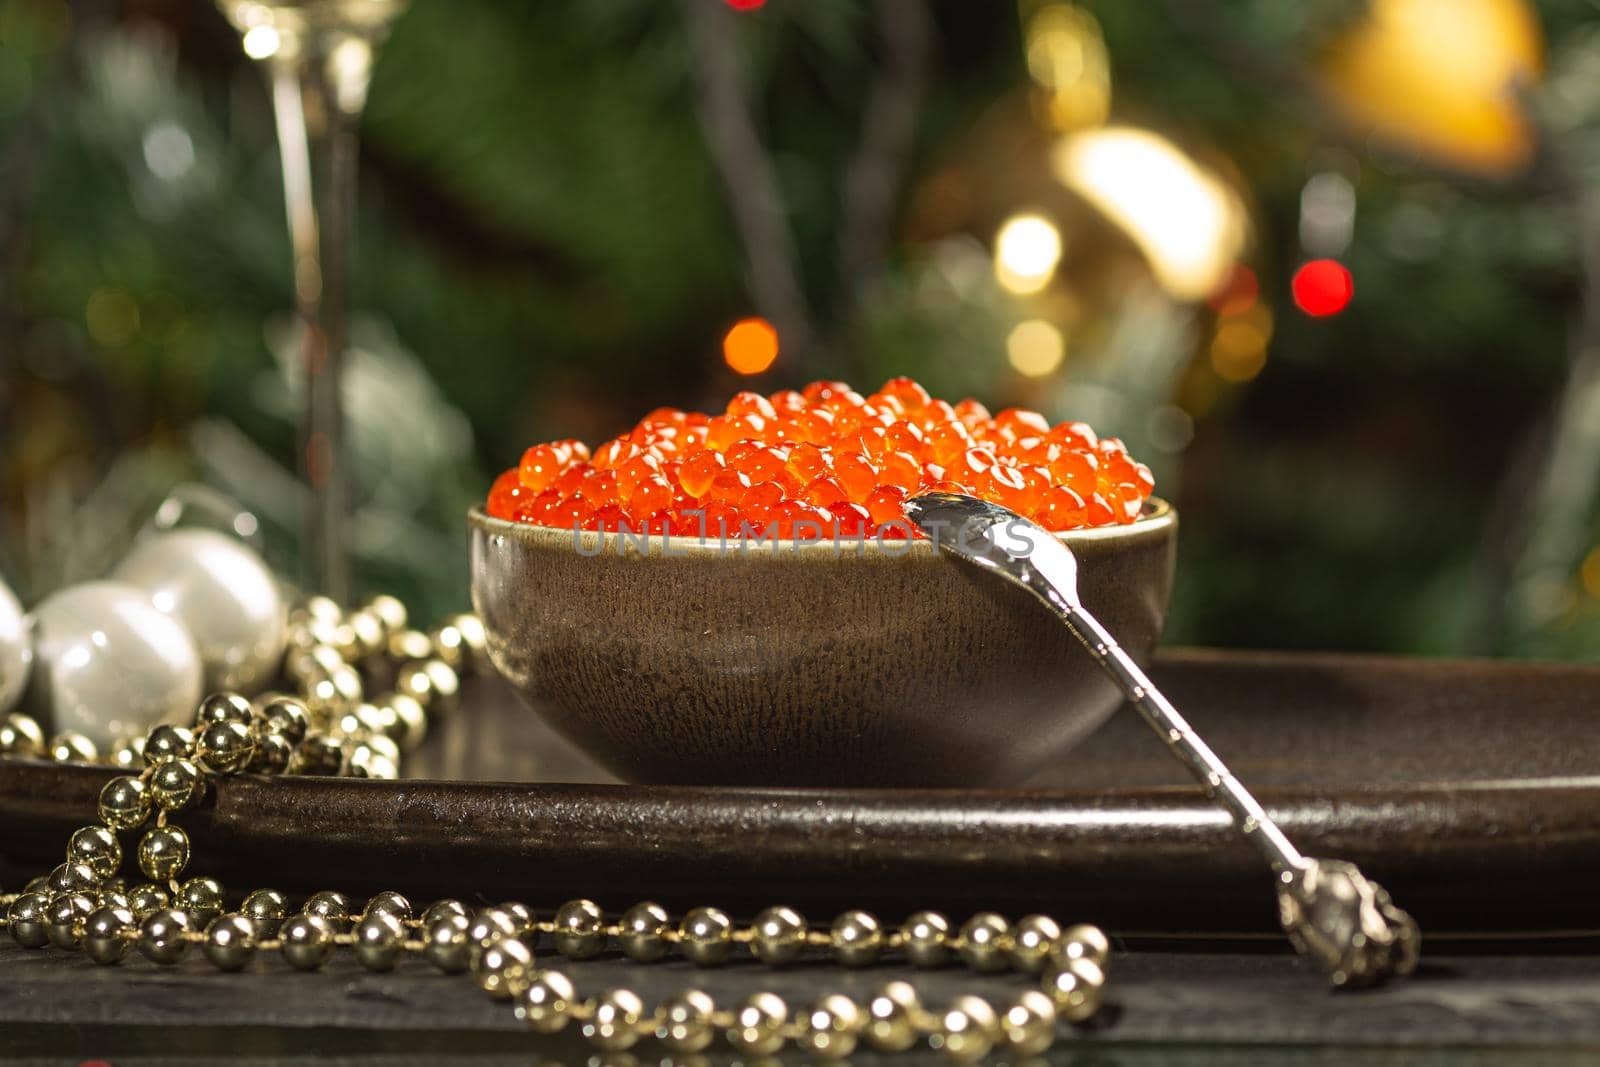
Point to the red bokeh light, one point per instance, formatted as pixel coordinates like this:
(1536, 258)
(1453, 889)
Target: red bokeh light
(744, 5)
(1323, 287)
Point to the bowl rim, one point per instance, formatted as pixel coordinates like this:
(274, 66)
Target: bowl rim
(1159, 519)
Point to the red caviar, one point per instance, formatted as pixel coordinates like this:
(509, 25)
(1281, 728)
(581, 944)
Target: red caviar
(824, 459)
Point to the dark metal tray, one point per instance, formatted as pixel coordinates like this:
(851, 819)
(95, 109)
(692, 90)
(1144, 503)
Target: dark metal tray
(1470, 789)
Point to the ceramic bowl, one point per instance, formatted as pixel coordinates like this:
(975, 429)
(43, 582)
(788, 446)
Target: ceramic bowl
(673, 660)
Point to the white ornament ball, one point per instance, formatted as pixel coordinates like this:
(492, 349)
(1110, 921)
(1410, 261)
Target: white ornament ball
(16, 650)
(108, 665)
(224, 595)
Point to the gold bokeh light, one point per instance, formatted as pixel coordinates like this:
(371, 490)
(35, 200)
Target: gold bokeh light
(1026, 251)
(1035, 348)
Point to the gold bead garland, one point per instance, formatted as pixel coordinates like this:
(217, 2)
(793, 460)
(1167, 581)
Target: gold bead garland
(82, 904)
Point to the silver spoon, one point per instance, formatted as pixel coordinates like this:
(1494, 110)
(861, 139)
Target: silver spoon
(1330, 911)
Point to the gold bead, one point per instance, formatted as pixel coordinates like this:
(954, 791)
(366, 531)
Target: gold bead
(306, 941)
(175, 784)
(474, 638)
(490, 924)
(223, 707)
(163, 852)
(833, 1025)
(74, 876)
(413, 680)
(104, 934)
(124, 803)
(446, 685)
(389, 611)
(64, 917)
(335, 638)
(1032, 942)
(323, 608)
(325, 696)
(165, 742)
(1083, 941)
(26, 917)
(501, 967)
(284, 716)
(361, 761)
(378, 938)
(410, 644)
(1074, 987)
(411, 720)
(318, 754)
(615, 1020)
(577, 933)
(96, 847)
(857, 938)
(365, 761)
(889, 1024)
(983, 941)
(546, 1005)
(445, 940)
(1029, 1025)
(266, 909)
(272, 755)
(161, 935)
(349, 726)
(442, 907)
(147, 899)
(230, 940)
(168, 743)
(460, 641)
(389, 902)
(968, 1029)
(314, 661)
(225, 747)
(375, 719)
(758, 1024)
(926, 938)
(129, 754)
(521, 916)
(72, 747)
(20, 735)
(704, 936)
(381, 745)
(201, 898)
(367, 635)
(331, 907)
(779, 936)
(644, 929)
(686, 1021)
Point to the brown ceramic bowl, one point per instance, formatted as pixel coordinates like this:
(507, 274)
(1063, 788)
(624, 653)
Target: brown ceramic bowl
(792, 664)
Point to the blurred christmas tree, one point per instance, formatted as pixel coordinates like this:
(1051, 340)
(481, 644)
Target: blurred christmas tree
(1094, 209)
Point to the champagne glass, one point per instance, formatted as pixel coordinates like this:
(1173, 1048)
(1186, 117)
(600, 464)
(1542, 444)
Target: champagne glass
(317, 55)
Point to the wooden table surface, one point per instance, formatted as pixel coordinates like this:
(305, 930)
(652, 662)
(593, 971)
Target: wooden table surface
(1217, 1007)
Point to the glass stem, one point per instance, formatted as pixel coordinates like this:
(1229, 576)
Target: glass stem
(317, 144)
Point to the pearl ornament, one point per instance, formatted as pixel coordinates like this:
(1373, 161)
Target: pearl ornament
(222, 593)
(107, 664)
(16, 650)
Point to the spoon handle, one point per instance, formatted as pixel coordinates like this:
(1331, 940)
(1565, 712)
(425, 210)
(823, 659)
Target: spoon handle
(1330, 911)
(1208, 769)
